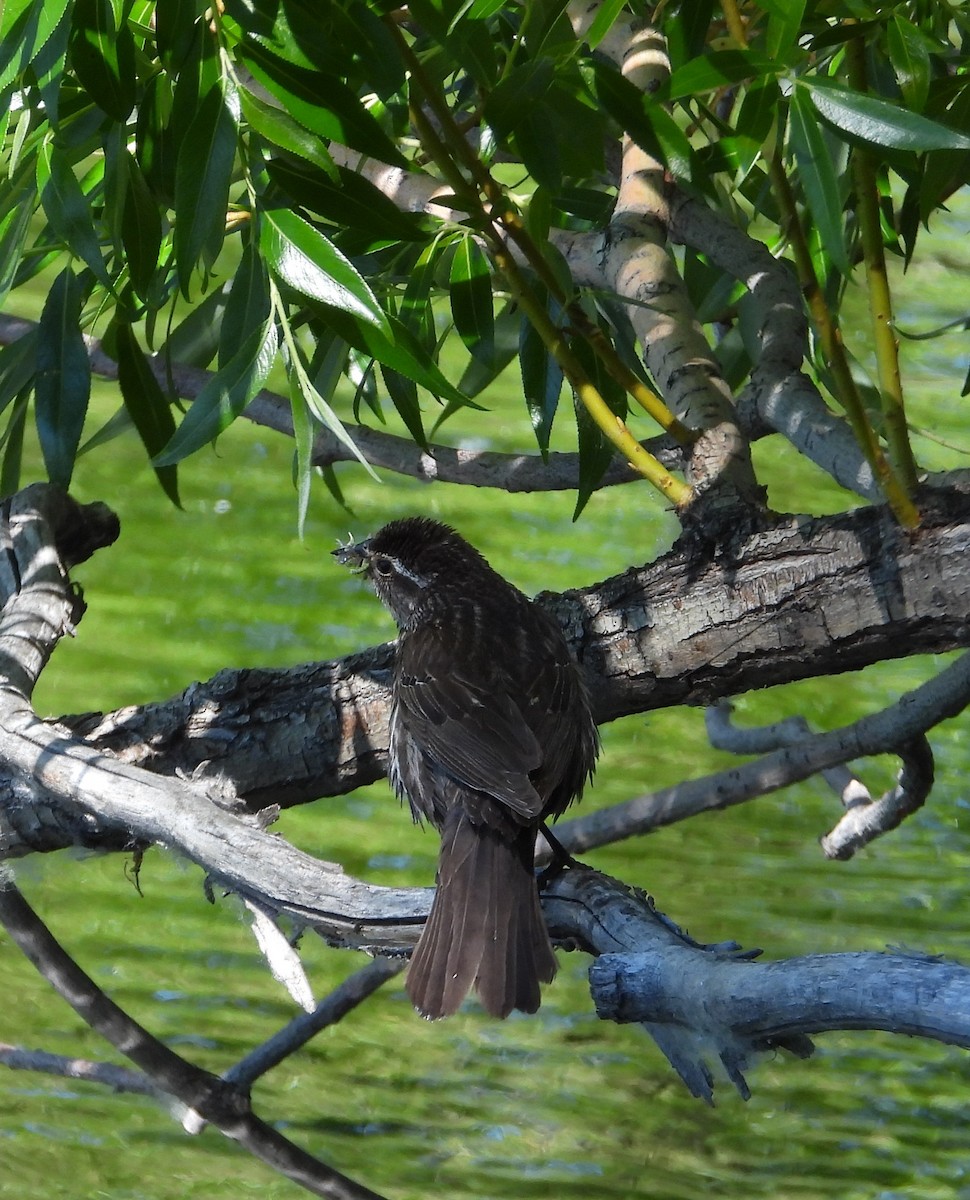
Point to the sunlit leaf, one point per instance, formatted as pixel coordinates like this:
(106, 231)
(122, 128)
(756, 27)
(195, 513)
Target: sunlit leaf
(63, 382)
(24, 31)
(397, 349)
(280, 129)
(321, 102)
(348, 200)
(880, 123)
(784, 23)
(719, 68)
(603, 21)
(309, 263)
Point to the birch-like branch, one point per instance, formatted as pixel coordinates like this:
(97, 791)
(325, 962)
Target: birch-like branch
(639, 268)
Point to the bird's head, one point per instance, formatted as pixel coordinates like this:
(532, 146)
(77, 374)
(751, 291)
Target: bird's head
(405, 558)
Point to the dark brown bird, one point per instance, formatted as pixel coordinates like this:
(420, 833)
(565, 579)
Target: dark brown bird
(490, 734)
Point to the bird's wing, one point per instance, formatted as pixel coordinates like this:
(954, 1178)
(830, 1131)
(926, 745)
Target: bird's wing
(472, 728)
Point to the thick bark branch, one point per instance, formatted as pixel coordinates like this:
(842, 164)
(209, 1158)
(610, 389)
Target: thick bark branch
(804, 598)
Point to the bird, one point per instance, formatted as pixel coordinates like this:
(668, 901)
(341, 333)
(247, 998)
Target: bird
(491, 735)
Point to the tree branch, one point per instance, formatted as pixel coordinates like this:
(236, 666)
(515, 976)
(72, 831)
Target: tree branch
(511, 473)
(217, 1102)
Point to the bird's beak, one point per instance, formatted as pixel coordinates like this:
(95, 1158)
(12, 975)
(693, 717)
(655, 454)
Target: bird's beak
(354, 555)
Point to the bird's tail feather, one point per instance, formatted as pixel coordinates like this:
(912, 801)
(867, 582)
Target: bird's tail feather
(485, 929)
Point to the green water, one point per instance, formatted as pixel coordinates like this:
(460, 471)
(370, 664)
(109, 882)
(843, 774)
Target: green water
(555, 1105)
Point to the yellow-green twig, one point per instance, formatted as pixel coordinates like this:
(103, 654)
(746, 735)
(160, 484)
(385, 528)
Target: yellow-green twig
(880, 294)
(499, 212)
(833, 349)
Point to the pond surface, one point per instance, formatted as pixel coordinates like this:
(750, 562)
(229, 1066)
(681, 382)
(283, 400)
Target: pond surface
(555, 1105)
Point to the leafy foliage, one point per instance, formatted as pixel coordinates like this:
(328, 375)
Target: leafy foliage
(186, 176)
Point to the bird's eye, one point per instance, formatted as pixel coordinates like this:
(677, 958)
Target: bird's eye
(382, 565)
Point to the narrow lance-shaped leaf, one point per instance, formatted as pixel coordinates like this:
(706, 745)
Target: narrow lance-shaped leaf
(471, 298)
(280, 129)
(880, 123)
(24, 31)
(202, 179)
(146, 403)
(68, 209)
(63, 385)
(816, 173)
(542, 379)
(141, 227)
(248, 305)
(303, 258)
(910, 59)
(224, 397)
(103, 57)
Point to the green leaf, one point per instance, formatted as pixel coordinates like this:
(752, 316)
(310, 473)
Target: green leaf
(18, 363)
(404, 396)
(147, 405)
(542, 380)
(878, 122)
(177, 24)
(103, 57)
(303, 461)
(602, 22)
(309, 263)
(784, 24)
(223, 397)
(48, 68)
(377, 50)
(348, 200)
(817, 175)
(280, 129)
(910, 59)
(650, 125)
(141, 228)
(718, 69)
(321, 102)
(68, 209)
(471, 298)
(248, 305)
(517, 94)
(202, 178)
(595, 452)
(481, 372)
(400, 351)
(14, 227)
(24, 31)
(63, 383)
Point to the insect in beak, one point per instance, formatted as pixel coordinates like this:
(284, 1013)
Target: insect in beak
(352, 555)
